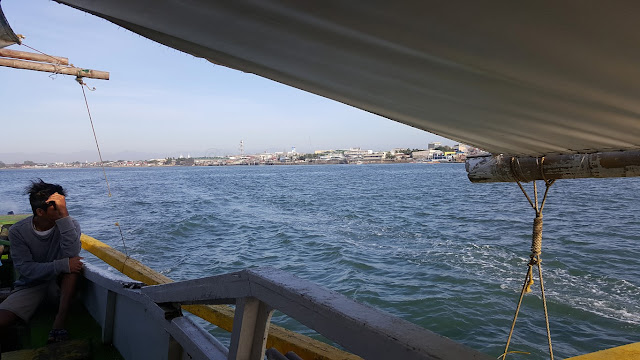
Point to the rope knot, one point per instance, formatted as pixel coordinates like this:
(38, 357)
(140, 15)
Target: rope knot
(536, 238)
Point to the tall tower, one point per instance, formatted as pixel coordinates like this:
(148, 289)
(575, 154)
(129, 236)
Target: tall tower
(241, 147)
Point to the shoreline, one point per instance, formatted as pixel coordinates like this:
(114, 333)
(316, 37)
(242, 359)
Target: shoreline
(142, 165)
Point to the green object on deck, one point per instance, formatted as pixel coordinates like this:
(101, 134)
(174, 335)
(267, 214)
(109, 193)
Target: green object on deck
(12, 219)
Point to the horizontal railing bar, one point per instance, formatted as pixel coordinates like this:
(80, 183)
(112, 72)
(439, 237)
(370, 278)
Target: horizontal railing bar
(365, 331)
(184, 332)
(224, 288)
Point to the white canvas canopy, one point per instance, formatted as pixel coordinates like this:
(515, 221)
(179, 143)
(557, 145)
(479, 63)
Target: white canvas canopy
(509, 77)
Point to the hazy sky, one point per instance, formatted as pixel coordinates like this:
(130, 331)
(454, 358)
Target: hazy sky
(160, 102)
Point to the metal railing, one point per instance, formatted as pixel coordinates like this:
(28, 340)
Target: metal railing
(363, 330)
(221, 316)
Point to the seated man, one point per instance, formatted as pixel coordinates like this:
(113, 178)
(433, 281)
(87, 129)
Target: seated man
(44, 249)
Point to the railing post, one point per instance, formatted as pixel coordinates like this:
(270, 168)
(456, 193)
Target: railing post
(174, 349)
(109, 315)
(250, 329)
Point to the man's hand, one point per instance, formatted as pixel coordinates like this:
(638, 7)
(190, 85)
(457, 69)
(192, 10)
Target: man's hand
(60, 205)
(75, 265)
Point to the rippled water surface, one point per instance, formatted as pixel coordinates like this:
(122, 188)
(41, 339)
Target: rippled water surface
(419, 241)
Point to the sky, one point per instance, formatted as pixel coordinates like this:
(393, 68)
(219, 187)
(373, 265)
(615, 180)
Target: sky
(160, 102)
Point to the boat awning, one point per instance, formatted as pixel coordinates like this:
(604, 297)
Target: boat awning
(7, 36)
(505, 76)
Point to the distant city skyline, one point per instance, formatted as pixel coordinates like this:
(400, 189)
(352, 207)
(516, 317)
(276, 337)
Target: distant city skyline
(435, 153)
(161, 102)
(92, 156)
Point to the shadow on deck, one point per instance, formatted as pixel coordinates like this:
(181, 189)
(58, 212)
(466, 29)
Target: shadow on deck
(29, 341)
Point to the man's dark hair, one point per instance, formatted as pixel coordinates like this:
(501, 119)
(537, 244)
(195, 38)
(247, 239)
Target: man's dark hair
(39, 192)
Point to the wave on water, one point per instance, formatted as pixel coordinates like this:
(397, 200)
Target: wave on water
(420, 242)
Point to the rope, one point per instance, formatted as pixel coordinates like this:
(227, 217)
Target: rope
(515, 316)
(57, 64)
(546, 313)
(536, 238)
(514, 352)
(79, 80)
(542, 170)
(123, 244)
(82, 85)
(536, 250)
(36, 50)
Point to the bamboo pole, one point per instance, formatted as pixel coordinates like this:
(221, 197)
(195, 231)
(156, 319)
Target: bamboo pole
(65, 70)
(14, 54)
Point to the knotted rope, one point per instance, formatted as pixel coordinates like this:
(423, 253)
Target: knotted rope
(536, 250)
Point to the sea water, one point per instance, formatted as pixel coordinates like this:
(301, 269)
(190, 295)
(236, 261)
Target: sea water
(416, 240)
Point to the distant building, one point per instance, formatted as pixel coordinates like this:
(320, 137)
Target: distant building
(433, 145)
(356, 153)
(428, 155)
(267, 156)
(461, 148)
(373, 156)
(421, 154)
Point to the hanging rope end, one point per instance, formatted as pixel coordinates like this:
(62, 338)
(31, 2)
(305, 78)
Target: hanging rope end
(527, 288)
(80, 81)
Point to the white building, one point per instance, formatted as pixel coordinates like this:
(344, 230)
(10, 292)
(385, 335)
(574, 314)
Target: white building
(356, 153)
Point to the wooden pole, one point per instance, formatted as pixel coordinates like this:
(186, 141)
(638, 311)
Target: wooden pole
(34, 57)
(65, 70)
(502, 168)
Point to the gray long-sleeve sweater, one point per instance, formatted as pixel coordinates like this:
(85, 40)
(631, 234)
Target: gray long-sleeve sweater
(41, 258)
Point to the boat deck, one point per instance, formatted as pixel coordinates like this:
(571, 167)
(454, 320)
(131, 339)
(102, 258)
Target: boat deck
(84, 332)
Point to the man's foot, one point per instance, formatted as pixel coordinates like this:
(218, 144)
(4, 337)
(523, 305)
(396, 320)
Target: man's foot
(57, 335)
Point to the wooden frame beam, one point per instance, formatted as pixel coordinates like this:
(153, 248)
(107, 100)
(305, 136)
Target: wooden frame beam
(64, 70)
(504, 168)
(14, 54)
